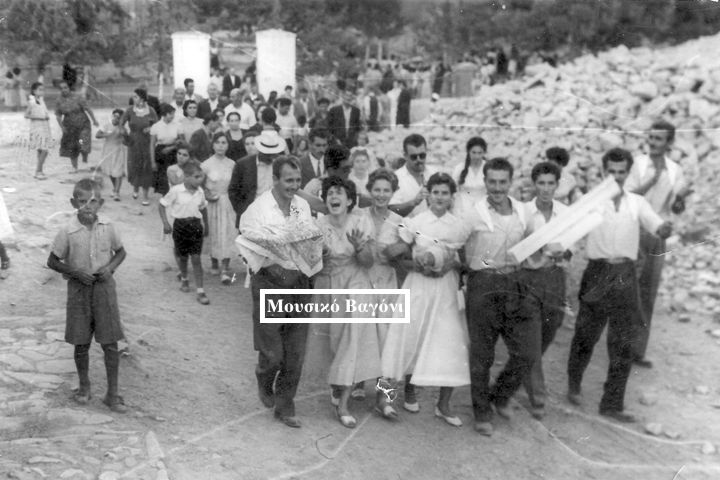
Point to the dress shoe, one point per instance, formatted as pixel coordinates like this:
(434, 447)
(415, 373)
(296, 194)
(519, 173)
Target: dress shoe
(484, 428)
(453, 420)
(575, 398)
(387, 412)
(641, 362)
(289, 420)
(618, 415)
(266, 398)
(504, 411)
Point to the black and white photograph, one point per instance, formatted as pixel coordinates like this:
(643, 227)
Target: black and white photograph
(369, 239)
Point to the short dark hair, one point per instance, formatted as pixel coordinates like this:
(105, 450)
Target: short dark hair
(543, 168)
(119, 111)
(498, 163)
(218, 135)
(186, 104)
(347, 185)
(268, 116)
(188, 80)
(664, 125)
(283, 160)
(284, 101)
(617, 154)
(440, 178)
(165, 109)
(559, 155)
(142, 93)
(323, 101)
(191, 167)
(211, 117)
(318, 132)
(231, 114)
(382, 174)
(87, 185)
(334, 156)
(414, 139)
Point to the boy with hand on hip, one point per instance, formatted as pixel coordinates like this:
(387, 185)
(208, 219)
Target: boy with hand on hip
(87, 251)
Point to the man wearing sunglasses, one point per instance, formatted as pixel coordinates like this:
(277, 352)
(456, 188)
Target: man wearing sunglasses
(409, 199)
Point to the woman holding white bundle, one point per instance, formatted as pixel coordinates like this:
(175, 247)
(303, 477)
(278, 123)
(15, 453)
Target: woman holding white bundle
(432, 350)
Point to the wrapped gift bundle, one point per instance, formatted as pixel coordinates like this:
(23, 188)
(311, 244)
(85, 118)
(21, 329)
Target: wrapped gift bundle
(295, 244)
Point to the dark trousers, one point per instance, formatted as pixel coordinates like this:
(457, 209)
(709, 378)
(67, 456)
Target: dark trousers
(546, 293)
(280, 346)
(649, 267)
(496, 306)
(608, 295)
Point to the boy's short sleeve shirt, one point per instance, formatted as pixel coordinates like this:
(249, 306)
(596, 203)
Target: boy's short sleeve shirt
(182, 203)
(87, 249)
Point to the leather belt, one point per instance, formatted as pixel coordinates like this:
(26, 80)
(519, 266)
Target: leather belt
(612, 261)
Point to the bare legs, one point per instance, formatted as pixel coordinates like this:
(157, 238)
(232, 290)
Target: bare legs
(41, 156)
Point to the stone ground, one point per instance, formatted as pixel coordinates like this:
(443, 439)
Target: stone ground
(187, 377)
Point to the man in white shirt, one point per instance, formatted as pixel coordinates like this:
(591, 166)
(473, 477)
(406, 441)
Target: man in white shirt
(496, 302)
(410, 197)
(280, 346)
(608, 289)
(544, 275)
(241, 107)
(286, 121)
(190, 90)
(662, 182)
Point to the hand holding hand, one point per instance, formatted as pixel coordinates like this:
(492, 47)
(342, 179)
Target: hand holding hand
(83, 277)
(103, 274)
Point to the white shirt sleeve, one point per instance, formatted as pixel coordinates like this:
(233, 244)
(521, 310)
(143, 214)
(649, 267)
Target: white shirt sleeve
(650, 220)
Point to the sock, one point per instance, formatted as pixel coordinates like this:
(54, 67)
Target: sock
(200, 290)
(82, 364)
(112, 367)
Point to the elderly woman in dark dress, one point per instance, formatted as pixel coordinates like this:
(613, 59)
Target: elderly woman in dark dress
(72, 114)
(141, 166)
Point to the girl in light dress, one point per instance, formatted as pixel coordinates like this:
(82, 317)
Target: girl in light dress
(40, 138)
(432, 350)
(469, 176)
(221, 216)
(113, 162)
(352, 350)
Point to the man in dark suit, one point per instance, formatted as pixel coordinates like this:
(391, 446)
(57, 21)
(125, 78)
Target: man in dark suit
(304, 106)
(312, 163)
(230, 81)
(344, 120)
(211, 103)
(252, 175)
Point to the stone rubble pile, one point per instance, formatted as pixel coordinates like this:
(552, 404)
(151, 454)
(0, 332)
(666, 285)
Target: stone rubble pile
(588, 106)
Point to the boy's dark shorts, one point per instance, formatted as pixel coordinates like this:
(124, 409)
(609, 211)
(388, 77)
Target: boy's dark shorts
(92, 309)
(188, 236)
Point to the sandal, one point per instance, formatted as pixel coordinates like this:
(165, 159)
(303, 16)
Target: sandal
(115, 404)
(387, 412)
(347, 421)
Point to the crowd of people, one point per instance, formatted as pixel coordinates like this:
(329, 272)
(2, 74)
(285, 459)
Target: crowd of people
(249, 168)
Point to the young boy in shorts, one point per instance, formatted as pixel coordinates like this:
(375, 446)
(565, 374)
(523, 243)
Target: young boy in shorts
(87, 251)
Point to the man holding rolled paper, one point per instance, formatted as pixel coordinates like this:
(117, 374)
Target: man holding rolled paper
(544, 275)
(608, 289)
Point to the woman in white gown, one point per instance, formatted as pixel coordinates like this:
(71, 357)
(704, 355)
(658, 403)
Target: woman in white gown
(432, 350)
(469, 176)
